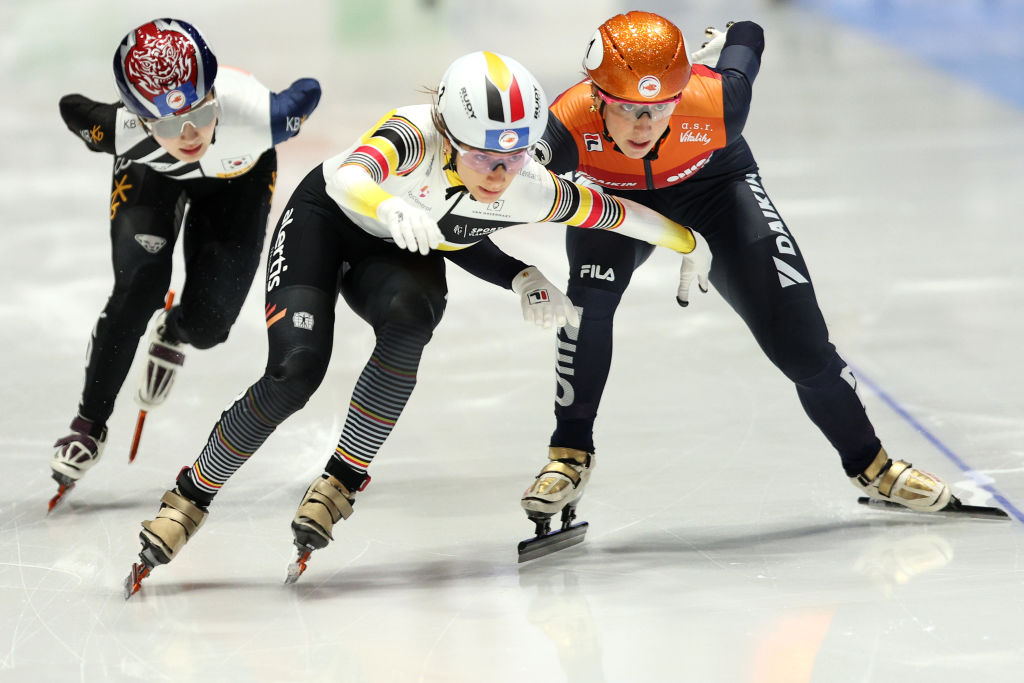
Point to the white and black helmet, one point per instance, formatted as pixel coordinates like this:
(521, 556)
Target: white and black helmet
(490, 101)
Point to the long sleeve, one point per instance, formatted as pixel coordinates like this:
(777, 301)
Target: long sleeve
(291, 107)
(488, 262)
(93, 122)
(582, 207)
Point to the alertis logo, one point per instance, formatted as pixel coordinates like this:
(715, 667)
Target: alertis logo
(276, 266)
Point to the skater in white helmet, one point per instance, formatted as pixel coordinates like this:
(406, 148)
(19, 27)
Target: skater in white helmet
(377, 221)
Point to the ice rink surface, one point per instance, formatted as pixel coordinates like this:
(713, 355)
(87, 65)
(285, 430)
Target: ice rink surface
(725, 542)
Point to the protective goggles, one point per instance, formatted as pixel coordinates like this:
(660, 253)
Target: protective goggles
(484, 161)
(173, 126)
(628, 108)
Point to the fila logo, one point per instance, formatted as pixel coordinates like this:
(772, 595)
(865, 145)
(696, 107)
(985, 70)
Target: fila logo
(597, 273)
(538, 296)
(151, 243)
(592, 142)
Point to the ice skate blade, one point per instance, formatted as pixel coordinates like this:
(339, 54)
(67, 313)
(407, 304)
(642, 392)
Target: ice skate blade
(133, 582)
(296, 568)
(138, 437)
(560, 539)
(954, 508)
(62, 493)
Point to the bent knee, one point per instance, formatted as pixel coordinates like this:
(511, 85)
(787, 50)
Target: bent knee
(207, 337)
(141, 288)
(413, 310)
(298, 376)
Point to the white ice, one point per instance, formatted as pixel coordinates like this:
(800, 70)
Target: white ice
(725, 543)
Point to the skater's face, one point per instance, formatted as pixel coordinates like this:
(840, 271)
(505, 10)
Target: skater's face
(196, 131)
(487, 185)
(636, 127)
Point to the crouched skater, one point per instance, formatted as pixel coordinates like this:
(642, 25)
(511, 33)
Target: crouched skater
(193, 148)
(664, 128)
(375, 223)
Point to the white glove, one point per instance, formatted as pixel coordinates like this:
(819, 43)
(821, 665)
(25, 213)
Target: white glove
(542, 302)
(411, 228)
(695, 264)
(710, 50)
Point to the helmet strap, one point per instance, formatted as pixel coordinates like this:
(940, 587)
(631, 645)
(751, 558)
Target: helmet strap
(450, 164)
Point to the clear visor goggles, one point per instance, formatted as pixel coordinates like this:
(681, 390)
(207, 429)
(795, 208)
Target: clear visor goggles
(630, 109)
(173, 126)
(486, 161)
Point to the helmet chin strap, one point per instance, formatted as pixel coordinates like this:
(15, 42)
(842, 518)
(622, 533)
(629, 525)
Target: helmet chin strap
(450, 164)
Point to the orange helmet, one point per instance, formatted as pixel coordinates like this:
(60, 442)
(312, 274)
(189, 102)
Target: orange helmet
(638, 56)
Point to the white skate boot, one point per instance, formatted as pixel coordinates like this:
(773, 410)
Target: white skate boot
(164, 357)
(76, 452)
(560, 482)
(897, 481)
(558, 487)
(326, 502)
(177, 520)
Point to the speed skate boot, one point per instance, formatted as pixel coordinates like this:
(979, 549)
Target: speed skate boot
(177, 521)
(897, 481)
(558, 487)
(560, 482)
(74, 455)
(164, 357)
(77, 452)
(326, 502)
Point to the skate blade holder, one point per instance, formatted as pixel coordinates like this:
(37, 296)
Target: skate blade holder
(559, 539)
(547, 541)
(954, 508)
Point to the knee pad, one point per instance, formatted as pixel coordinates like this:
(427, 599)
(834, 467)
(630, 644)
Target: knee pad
(409, 310)
(295, 378)
(208, 336)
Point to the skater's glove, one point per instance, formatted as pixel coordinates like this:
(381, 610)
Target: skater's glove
(696, 264)
(542, 302)
(712, 48)
(410, 228)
